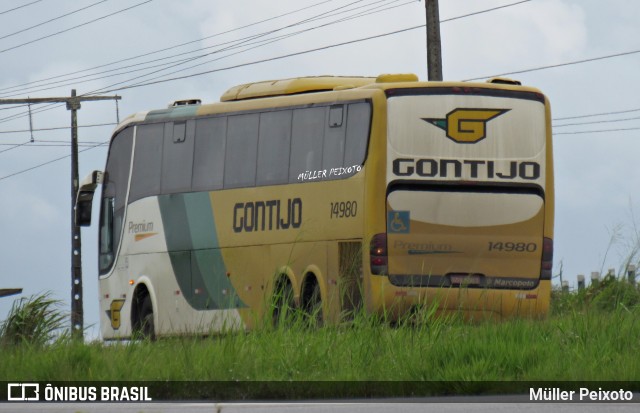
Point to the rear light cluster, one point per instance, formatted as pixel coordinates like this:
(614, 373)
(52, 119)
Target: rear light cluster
(547, 259)
(378, 254)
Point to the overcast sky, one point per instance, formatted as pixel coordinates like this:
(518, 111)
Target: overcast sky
(49, 47)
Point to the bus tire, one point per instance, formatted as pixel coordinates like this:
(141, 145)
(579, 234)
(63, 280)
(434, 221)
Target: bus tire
(312, 302)
(283, 305)
(147, 326)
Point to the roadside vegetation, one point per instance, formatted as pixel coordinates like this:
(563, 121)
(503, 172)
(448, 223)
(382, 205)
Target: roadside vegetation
(591, 335)
(33, 321)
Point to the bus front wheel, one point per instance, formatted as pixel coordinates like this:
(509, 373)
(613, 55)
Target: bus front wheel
(143, 324)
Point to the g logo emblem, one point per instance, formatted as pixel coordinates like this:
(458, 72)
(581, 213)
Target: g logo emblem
(466, 125)
(114, 313)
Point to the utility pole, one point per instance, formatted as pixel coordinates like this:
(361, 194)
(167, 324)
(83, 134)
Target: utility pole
(434, 46)
(73, 104)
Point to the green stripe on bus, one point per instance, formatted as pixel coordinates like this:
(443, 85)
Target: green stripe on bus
(193, 247)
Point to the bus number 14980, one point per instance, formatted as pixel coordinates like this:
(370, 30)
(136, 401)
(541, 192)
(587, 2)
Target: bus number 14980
(348, 209)
(513, 246)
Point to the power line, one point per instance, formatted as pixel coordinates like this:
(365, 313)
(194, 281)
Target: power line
(313, 50)
(184, 61)
(19, 7)
(598, 114)
(232, 30)
(50, 162)
(176, 63)
(595, 131)
(71, 104)
(596, 122)
(47, 144)
(575, 62)
(171, 47)
(358, 41)
(51, 20)
(324, 48)
(361, 40)
(243, 41)
(484, 11)
(16, 146)
(246, 41)
(57, 128)
(49, 107)
(74, 27)
(259, 43)
(271, 59)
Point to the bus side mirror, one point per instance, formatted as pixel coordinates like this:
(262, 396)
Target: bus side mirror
(84, 198)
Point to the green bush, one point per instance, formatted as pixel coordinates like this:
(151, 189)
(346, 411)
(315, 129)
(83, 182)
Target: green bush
(611, 294)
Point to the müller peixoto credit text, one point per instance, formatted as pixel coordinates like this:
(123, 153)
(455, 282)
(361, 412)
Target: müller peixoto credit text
(583, 394)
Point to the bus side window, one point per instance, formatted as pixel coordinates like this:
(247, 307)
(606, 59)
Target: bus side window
(274, 144)
(147, 163)
(307, 134)
(106, 234)
(177, 156)
(208, 156)
(242, 150)
(358, 124)
(334, 139)
(114, 197)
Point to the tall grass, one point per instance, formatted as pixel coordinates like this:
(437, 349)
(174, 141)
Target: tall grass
(35, 320)
(592, 335)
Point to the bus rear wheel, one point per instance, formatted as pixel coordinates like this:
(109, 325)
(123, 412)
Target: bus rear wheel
(312, 303)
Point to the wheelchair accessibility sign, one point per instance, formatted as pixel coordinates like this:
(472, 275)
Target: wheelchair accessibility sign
(398, 222)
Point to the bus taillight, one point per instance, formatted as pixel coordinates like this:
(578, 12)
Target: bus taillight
(547, 259)
(378, 254)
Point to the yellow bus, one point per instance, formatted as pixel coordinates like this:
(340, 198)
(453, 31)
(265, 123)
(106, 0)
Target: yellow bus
(327, 194)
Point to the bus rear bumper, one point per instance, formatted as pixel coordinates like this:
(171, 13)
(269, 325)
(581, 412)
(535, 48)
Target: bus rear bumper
(393, 302)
